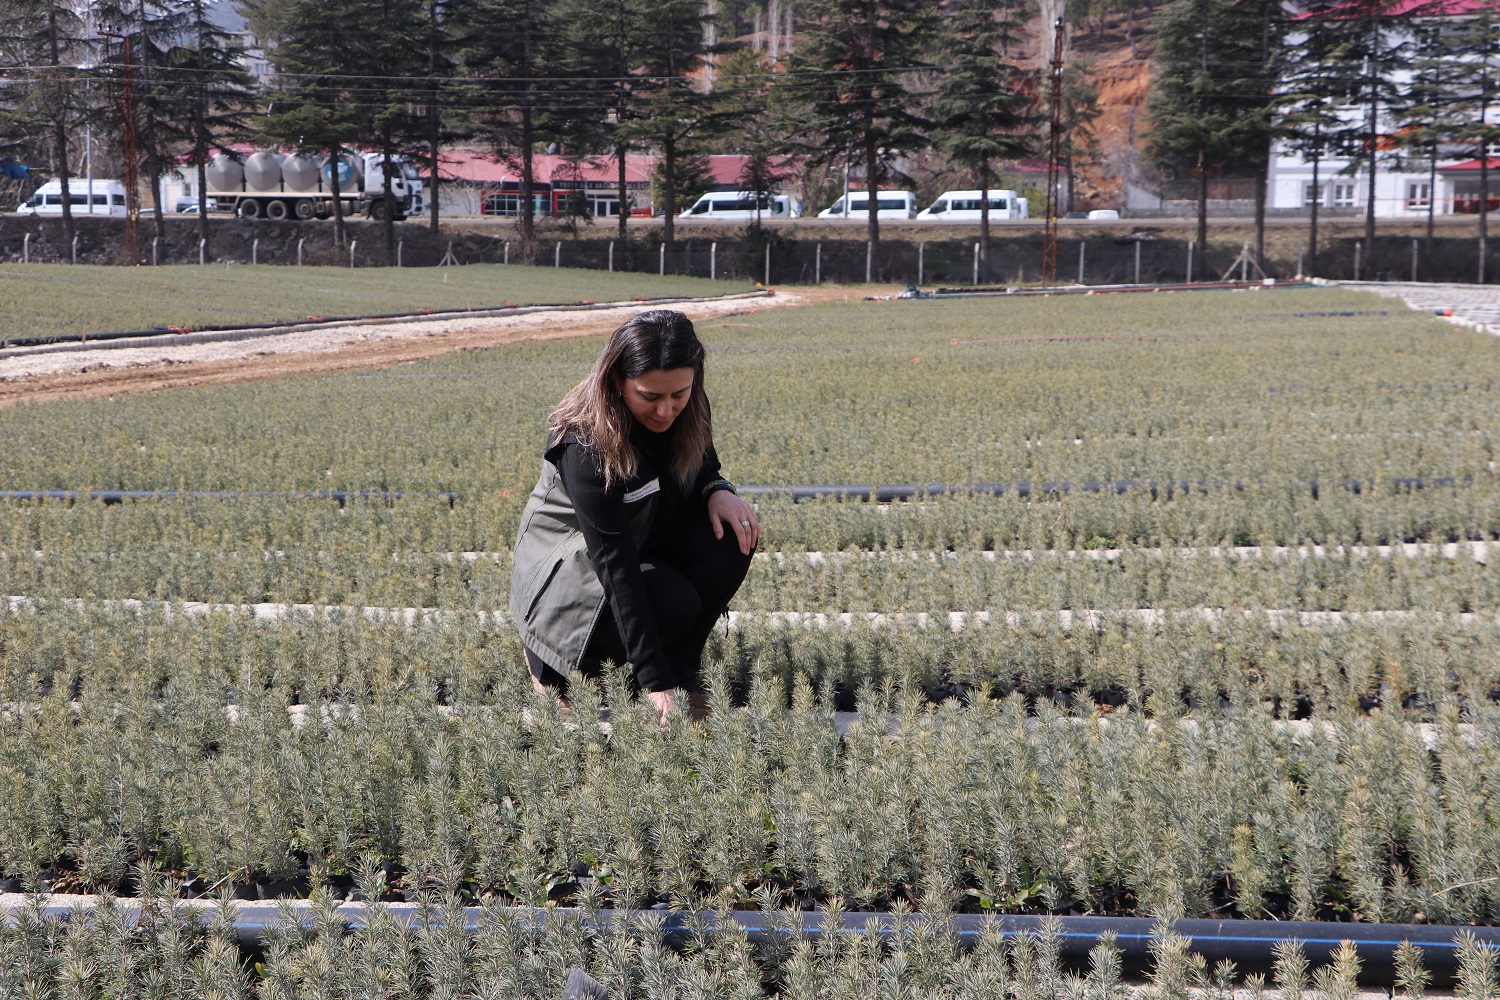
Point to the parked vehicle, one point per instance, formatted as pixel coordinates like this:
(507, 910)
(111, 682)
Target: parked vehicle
(742, 205)
(1104, 214)
(300, 185)
(97, 197)
(965, 206)
(191, 205)
(888, 205)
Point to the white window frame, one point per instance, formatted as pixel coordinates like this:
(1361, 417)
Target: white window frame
(1345, 194)
(1314, 194)
(1418, 196)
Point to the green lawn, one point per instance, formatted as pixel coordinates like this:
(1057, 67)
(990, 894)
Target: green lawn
(43, 300)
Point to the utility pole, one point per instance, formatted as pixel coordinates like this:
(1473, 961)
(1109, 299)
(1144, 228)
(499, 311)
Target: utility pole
(1054, 156)
(126, 97)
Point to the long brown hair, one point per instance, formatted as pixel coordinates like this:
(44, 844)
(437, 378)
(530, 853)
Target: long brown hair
(594, 410)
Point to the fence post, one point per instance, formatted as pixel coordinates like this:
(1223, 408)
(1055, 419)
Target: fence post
(1082, 257)
(1299, 264)
(713, 262)
(611, 256)
(26, 249)
(1137, 262)
(1359, 246)
(507, 251)
(400, 251)
(869, 260)
(1413, 260)
(203, 251)
(1244, 262)
(1481, 261)
(352, 245)
(557, 254)
(155, 258)
(299, 252)
(767, 282)
(661, 264)
(817, 264)
(1192, 248)
(976, 263)
(921, 262)
(75, 249)
(254, 250)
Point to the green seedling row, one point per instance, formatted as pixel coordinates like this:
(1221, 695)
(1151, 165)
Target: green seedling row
(424, 746)
(42, 300)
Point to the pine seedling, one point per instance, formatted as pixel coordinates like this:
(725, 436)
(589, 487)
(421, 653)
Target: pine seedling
(1340, 979)
(1172, 963)
(1105, 967)
(1215, 983)
(1026, 978)
(1255, 987)
(1412, 976)
(1289, 969)
(1477, 973)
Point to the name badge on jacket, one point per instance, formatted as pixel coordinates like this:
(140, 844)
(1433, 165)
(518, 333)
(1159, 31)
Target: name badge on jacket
(641, 493)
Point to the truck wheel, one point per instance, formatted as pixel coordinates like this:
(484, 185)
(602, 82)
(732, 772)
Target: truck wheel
(303, 209)
(276, 210)
(249, 209)
(377, 211)
(323, 209)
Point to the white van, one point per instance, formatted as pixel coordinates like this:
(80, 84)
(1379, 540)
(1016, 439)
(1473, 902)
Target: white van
(742, 205)
(888, 205)
(964, 206)
(99, 198)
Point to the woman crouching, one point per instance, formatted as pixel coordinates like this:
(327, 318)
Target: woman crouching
(632, 543)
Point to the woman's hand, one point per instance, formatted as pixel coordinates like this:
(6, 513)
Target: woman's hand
(727, 510)
(664, 701)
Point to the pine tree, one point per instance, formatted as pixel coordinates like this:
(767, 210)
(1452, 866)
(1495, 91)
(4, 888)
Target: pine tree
(1211, 105)
(48, 103)
(1306, 117)
(853, 62)
(1473, 46)
(981, 113)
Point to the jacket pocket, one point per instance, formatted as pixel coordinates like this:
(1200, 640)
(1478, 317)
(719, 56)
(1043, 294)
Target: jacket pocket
(541, 588)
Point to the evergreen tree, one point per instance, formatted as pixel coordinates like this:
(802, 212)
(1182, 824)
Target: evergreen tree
(981, 112)
(853, 65)
(668, 112)
(54, 97)
(513, 54)
(1212, 103)
(1473, 46)
(1307, 117)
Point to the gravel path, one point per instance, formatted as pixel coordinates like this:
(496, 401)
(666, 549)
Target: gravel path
(22, 364)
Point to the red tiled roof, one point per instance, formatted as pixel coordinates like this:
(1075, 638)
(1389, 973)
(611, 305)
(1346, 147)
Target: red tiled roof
(1399, 8)
(1467, 165)
(484, 168)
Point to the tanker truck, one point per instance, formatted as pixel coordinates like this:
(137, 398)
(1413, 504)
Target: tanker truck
(273, 185)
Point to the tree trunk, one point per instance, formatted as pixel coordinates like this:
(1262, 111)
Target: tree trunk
(1431, 190)
(60, 142)
(387, 176)
(201, 139)
(984, 221)
(1370, 182)
(1262, 179)
(528, 188)
(338, 202)
(434, 119)
(872, 183)
(1312, 228)
(669, 186)
(203, 192)
(624, 191)
(1202, 210)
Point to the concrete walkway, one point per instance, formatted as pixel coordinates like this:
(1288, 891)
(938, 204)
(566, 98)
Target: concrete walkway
(1476, 306)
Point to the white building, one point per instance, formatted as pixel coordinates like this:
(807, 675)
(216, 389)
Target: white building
(1405, 184)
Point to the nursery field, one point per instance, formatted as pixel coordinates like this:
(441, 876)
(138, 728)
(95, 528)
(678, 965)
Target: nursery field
(47, 300)
(1271, 690)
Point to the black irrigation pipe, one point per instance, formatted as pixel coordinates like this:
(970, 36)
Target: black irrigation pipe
(992, 291)
(111, 497)
(211, 333)
(892, 492)
(888, 493)
(1247, 943)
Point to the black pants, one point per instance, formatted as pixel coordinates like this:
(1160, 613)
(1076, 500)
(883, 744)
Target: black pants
(688, 578)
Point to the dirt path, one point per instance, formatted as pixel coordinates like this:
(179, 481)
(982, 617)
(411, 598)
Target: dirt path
(41, 378)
